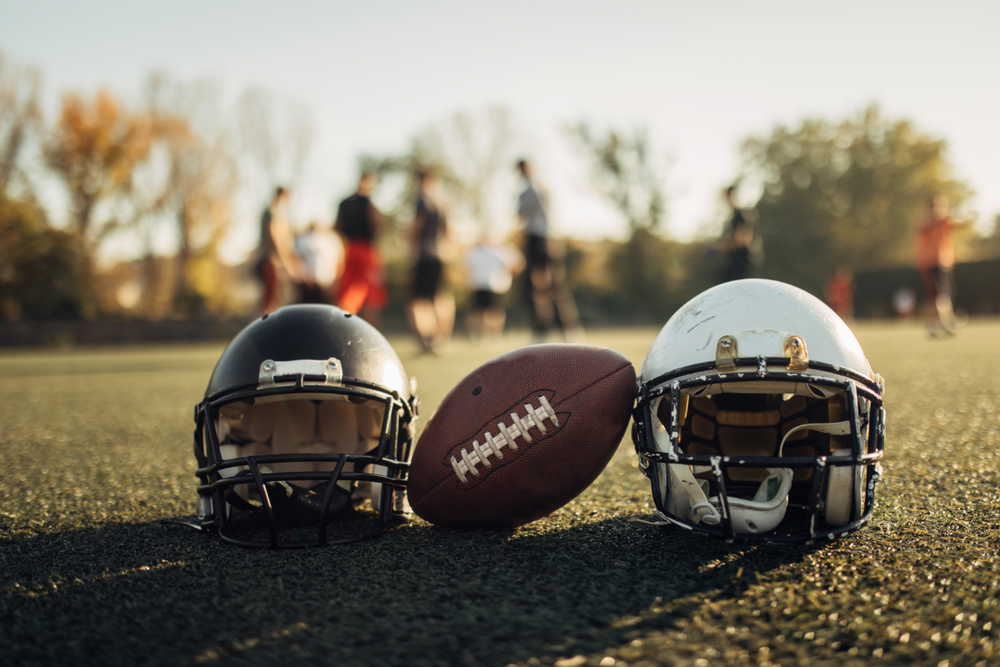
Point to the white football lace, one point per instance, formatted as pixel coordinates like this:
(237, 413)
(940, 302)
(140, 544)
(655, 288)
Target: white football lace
(506, 438)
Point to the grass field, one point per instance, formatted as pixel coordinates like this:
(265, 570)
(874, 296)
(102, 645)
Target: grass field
(95, 451)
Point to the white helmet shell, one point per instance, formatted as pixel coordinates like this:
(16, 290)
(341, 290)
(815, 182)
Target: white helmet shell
(760, 315)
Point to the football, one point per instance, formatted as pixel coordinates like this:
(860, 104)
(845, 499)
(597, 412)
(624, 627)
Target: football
(521, 436)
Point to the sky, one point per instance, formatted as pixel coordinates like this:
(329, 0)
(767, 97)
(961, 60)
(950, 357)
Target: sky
(698, 77)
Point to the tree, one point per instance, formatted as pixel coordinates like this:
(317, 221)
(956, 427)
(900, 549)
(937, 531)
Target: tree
(641, 270)
(470, 150)
(625, 174)
(272, 140)
(199, 185)
(95, 149)
(43, 271)
(844, 193)
(476, 148)
(20, 118)
(993, 241)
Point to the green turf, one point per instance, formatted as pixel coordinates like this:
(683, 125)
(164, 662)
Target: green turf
(95, 450)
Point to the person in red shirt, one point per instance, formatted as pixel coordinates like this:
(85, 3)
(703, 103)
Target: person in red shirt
(359, 224)
(839, 292)
(936, 262)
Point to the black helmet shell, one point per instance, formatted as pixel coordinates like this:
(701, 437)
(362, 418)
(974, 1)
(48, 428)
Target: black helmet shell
(309, 332)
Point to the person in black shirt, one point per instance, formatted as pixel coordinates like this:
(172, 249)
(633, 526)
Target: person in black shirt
(431, 309)
(547, 295)
(742, 252)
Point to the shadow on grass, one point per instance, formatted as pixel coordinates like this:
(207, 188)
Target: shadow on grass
(163, 594)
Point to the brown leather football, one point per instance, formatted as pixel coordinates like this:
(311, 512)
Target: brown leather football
(521, 436)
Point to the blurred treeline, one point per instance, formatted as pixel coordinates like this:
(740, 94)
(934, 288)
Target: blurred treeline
(833, 194)
(828, 193)
(176, 161)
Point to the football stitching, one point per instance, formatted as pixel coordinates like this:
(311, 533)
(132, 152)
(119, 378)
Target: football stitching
(506, 438)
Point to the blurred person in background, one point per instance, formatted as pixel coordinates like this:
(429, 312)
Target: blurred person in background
(490, 269)
(935, 249)
(322, 258)
(743, 249)
(277, 258)
(362, 285)
(431, 308)
(904, 302)
(839, 292)
(549, 300)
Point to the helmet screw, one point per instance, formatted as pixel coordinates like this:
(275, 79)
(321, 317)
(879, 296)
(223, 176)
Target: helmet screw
(268, 366)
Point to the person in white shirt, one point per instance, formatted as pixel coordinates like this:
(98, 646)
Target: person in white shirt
(322, 256)
(491, 270)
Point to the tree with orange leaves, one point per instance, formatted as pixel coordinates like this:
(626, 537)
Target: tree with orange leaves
(95, 148)
(200, 182)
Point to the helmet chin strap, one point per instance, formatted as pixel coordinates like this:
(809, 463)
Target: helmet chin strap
(767, 508)
(759, 515)
(295, 504)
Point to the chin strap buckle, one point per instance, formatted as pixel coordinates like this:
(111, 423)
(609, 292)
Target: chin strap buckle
(706, 513)
(702, 510)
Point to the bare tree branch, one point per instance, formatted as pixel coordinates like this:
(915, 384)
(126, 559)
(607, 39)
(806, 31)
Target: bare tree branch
(20, 117)
(624, 173)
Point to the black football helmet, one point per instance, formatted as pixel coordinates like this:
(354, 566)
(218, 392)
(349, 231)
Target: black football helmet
(304, 435)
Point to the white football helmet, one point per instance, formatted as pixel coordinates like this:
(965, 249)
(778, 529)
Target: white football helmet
(759, 417)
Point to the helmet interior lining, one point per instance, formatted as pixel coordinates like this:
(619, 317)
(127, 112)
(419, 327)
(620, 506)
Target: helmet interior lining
(303, 424)
(752, 423)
